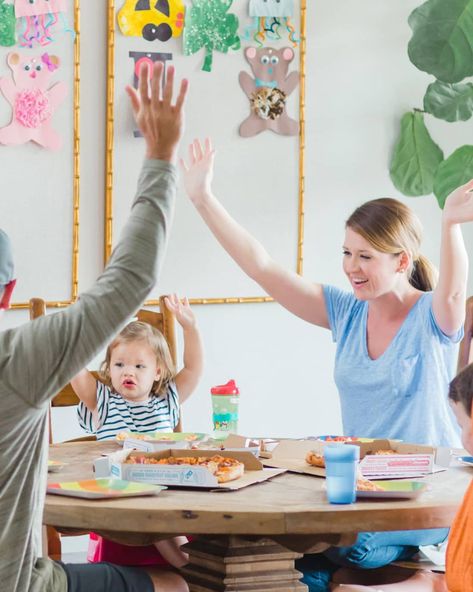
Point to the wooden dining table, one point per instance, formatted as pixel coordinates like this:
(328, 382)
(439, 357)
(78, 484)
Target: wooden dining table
(247, 539)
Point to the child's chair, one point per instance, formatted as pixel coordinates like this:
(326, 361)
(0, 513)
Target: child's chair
(163, 321)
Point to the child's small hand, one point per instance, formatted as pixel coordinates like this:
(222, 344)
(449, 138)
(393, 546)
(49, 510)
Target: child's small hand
(198, 173)
(182, 311)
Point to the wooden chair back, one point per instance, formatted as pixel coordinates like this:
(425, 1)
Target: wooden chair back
(465, 355)
(163, 321)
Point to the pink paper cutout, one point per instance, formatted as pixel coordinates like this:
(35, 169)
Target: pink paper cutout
(26, 8)
(268, 91)
(33, 100)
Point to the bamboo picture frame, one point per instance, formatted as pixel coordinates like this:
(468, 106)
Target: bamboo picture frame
(109, 157)
(51, 302)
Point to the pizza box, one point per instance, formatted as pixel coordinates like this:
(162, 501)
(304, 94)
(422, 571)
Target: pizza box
(409, 460)
(232, 443)
(187, 475)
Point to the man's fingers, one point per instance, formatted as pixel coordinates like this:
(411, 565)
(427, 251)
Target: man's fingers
(134, 99)
(156, 83)
(181, 97)
(143, 83)
(169, 84)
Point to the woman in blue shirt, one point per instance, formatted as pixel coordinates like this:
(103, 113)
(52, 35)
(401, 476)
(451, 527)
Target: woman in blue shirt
(396, 333)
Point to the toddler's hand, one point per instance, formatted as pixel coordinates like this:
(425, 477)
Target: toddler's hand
(198, 172)
(182, 311)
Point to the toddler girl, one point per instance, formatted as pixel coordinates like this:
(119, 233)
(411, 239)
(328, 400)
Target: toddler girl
(141, 393)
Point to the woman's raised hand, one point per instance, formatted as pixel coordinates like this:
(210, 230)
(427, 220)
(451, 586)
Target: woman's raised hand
(160, 122)
(459, 205)
(198, 171)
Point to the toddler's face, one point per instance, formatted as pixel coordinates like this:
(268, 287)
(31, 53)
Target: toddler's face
(133, 369)
(465, 423)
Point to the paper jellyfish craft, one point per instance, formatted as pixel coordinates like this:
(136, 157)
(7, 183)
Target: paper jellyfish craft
(268, 91)
(154, 20)
(33, 100)
(37, 19)
(270, 19)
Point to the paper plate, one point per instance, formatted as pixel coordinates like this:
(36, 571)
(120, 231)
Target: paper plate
(103, 488)
(395, 489)
(335, 439)
(162, 436)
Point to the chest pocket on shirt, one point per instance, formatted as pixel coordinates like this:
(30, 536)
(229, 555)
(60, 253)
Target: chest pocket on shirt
(405, 375)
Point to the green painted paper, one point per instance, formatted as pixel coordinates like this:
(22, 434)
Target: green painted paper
(7, 24)
(209, 26)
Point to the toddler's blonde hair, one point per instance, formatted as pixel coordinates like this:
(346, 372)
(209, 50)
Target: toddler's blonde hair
(139, 331)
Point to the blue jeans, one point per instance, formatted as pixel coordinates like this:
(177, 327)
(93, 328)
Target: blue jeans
(371, 550)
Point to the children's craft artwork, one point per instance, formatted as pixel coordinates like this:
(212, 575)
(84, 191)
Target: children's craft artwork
(141, 57)
(37, 18)
(270, 17)
(32, 99)
(210, 26)
(154, 20)
(7, 24)
(268, 91)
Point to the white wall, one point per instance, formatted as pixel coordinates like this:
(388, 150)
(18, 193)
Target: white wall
(359, 83)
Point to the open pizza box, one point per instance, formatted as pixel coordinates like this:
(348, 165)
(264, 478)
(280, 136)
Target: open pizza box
(407, 460)
(183, 475)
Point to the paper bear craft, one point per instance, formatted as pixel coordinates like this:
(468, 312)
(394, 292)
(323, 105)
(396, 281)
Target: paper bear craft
(268, 91)
(33, 100)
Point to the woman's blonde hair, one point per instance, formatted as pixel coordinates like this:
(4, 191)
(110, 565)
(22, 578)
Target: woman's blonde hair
(391, 227)
(138, 331)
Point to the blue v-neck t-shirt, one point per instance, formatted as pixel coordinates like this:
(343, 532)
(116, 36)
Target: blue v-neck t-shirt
(403, 393)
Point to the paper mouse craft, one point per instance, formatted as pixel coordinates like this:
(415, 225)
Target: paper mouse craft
(268, 91)
(33, 100)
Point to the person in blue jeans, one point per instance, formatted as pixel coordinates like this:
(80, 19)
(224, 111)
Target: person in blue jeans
(396, 332)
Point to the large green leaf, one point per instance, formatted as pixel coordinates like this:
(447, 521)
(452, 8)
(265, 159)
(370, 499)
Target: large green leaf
(416, 157)
(456, 170)
(451, 102)
(442, 39)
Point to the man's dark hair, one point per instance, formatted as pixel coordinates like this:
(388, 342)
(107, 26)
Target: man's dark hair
(461, 388)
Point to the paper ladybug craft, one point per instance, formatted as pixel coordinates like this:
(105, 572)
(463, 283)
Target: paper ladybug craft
(154, 20)
(33, 100)
(268, 91)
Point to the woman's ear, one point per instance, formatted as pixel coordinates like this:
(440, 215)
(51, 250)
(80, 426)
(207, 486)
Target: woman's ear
(404, 262)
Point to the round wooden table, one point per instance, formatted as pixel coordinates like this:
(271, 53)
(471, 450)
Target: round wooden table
(257, 530)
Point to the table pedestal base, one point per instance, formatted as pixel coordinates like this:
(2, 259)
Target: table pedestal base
(233, 564)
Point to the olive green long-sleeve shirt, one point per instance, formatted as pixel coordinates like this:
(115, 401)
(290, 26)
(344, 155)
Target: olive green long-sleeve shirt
(40, 357)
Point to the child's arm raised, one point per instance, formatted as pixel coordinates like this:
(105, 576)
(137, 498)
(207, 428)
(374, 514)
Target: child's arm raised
(188, 378)
(301, 297)
(85, 387)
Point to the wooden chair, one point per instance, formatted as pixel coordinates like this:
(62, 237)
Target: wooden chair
(163, 321)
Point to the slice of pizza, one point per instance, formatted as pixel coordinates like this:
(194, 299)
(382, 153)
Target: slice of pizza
(228, 469)
(315, 459)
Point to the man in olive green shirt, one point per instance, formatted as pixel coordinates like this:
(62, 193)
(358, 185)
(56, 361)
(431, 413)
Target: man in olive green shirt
(39, 358)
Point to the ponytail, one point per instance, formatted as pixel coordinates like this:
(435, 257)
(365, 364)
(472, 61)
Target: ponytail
(424, 275)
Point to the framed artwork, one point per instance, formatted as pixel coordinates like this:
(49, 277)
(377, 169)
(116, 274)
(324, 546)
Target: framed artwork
(39, 145)
(258, 129)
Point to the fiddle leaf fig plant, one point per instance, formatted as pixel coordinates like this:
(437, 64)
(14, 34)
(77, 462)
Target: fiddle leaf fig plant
(441, 45)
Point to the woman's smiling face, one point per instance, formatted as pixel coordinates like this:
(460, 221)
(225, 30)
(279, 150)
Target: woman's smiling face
(370, 272)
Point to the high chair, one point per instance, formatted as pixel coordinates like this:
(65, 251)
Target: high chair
(163, 321)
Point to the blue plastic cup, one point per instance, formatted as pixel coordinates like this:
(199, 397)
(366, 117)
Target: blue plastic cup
(341, 461)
